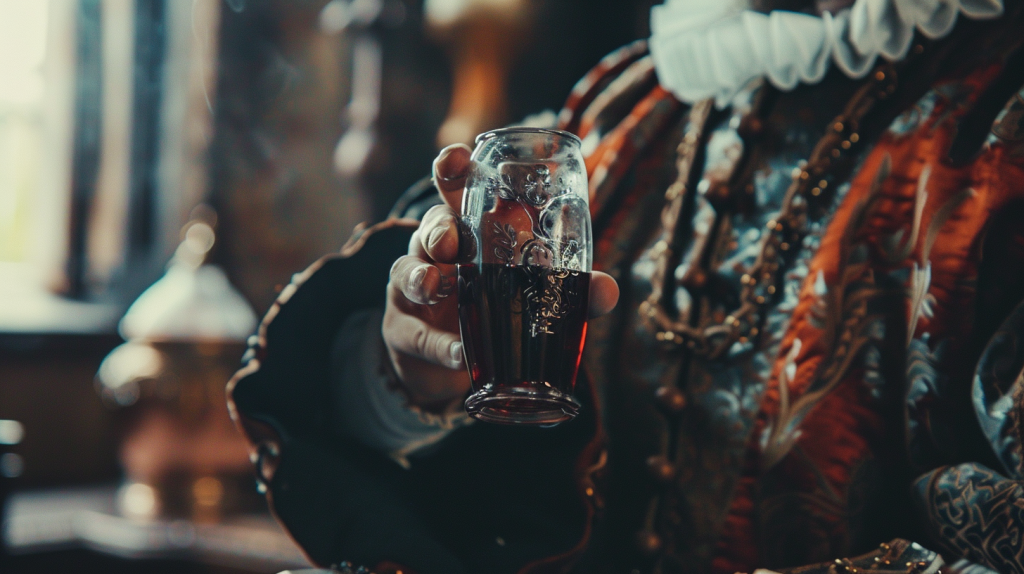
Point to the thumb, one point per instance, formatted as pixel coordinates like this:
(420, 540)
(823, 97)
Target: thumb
(450, 170)
(604, 293)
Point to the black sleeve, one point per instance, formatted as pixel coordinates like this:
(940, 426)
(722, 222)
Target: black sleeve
(487, 499)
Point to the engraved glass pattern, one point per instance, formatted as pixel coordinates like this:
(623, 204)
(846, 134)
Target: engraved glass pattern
(524, 274)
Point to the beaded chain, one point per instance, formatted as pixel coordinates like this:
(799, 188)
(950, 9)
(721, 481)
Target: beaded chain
(783, 233)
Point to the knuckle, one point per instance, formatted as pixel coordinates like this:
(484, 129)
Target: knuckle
(390, 328)
(414, 239)
(437, 212)
(396, 268)
(446, 221)
(420, 340)
(388, 321)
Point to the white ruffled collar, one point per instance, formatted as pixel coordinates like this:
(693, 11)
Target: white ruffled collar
(713, 48)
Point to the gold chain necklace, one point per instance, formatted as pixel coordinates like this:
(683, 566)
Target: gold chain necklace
(761, 281)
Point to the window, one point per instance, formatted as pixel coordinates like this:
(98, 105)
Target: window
(23, 52)
(104, 123)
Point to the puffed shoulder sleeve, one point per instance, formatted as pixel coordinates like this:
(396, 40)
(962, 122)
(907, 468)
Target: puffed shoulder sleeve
(281, 400)
(971, 509)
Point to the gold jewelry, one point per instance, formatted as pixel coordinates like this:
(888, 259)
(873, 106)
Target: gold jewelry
(761, 282)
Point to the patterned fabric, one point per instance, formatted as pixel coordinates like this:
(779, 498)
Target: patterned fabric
(975, 512)
(896, 556)
(799, 445)
(998, 385)
(879, 322)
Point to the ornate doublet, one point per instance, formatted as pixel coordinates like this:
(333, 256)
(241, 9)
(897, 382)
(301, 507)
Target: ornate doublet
(816, 348)
(789, 266)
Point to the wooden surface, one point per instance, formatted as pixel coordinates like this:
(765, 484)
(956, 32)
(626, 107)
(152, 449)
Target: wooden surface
(47, 523)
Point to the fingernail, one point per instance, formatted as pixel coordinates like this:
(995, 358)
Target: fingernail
(416, 277)
(456, 353)
(435, 236)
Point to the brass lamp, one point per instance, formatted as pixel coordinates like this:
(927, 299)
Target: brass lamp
(184, 336)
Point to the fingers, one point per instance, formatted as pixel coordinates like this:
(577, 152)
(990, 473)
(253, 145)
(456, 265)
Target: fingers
(438, 235)
(419, 281)
(410, 335)
(604, 293)
(450, 170)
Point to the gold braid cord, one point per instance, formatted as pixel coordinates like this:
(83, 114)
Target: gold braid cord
(786, 231)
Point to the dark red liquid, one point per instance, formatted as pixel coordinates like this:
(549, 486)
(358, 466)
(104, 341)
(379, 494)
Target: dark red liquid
(523, 329)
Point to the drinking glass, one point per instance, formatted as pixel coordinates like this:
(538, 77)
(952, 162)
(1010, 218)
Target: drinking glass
(524, 275)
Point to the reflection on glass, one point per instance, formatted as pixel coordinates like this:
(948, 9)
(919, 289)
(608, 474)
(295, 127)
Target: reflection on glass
(524, 278)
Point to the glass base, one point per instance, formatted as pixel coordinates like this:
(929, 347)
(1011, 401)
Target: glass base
(522, 405)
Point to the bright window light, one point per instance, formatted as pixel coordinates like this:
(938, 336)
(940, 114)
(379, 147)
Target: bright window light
(23, 27)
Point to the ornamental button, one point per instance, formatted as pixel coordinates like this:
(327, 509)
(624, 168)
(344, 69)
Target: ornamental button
(660, 468)
(694, 279)
(671, 399)
(751, 126)
(647, 542)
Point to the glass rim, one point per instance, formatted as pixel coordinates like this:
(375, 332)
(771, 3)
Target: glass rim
(526, 130)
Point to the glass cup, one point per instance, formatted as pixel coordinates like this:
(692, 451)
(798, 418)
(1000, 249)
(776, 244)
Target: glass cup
(524, 275)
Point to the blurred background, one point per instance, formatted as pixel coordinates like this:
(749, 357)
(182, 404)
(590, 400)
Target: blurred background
(165, 167)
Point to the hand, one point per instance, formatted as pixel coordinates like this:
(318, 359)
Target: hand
(421, 319)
